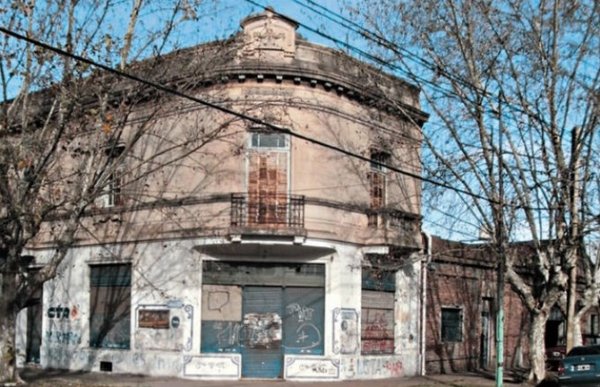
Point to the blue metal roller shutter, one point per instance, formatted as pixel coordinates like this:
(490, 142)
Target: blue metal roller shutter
(303, 320)
(261, 349)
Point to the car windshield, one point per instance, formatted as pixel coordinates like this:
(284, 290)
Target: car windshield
(579, 351)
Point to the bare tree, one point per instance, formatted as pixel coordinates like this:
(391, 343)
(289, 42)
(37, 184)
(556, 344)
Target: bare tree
(73, 136)
(513, 91)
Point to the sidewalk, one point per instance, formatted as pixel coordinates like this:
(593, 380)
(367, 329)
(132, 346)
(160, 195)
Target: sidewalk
(43, 377)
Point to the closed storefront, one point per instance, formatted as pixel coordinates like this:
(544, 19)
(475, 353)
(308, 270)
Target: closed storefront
(377, 312)
(262, 311)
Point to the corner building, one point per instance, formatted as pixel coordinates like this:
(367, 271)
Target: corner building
(265, 255)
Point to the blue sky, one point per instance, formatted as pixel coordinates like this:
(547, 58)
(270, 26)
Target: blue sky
(221, 18)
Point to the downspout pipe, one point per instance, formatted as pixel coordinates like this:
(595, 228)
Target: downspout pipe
(424, 267)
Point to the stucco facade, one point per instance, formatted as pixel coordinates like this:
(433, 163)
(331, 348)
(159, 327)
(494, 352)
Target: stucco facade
(266, 255)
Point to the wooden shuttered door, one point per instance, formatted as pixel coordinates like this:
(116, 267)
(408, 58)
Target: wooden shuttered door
(268, 187)
(376, 189)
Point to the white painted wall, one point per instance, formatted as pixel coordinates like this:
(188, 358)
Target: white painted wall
(168, 275)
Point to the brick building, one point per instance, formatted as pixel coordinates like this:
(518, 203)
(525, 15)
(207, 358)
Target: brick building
(461, 310)
(264, 256)
(461, 280)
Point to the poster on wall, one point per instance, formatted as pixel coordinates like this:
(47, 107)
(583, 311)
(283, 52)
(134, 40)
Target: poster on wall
(153, 318)
(345, 324)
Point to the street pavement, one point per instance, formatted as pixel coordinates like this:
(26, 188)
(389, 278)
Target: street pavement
(57, 378)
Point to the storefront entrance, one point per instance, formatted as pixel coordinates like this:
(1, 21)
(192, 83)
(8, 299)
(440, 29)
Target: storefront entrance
(250, 309)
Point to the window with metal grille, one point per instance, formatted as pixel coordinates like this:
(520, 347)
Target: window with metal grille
(377, 311)
(452, 324)
(110, 306)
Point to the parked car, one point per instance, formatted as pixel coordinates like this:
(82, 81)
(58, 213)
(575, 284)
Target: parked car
(554, 356)
(581, 367)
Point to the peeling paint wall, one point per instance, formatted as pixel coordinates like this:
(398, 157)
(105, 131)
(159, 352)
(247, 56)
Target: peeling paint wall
(408, 323)
(167, 305)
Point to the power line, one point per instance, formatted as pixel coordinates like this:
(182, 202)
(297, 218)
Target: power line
(242, 116)
(392, 46)
(402, 52)
(365, 54)
(382, 41)
(383, 62)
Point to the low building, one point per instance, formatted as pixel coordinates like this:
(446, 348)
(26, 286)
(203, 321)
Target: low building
(461, 310)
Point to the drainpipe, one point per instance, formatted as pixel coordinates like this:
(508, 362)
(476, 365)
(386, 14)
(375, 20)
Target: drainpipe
(424, 267)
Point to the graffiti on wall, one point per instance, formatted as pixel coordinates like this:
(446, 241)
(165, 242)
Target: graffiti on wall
(306, 335)
(157, 363)
(310, 368)
(345, 330)
(302, 313)
(62, 312)
(79, 359)
(211, 366)
(374, 367)
(61, 329)
(63, 337)
(228, 333)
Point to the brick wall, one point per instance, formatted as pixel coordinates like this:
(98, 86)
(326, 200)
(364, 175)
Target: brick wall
(469, 284)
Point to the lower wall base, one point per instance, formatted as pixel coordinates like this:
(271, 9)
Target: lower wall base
(225, 366)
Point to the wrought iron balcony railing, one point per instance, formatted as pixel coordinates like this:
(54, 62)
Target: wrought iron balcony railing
(267, 210)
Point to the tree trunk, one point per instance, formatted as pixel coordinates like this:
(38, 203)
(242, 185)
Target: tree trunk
(8, 321)
(571, 301)
(577, 329)
(537, 347)
(577, 336)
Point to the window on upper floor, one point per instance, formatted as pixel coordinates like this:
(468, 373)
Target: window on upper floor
(377, 183)
(377, 311)
(452, 321)
(268, 178)
(266, 139)
(376, 190)
(114, 196)
(379, 157)
(110, 306)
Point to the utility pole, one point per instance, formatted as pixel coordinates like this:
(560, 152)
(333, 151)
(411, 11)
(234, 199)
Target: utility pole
(574, 237)
(500, 238)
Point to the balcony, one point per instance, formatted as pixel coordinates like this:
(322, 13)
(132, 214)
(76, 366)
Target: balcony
(405, 227)
(273, 213)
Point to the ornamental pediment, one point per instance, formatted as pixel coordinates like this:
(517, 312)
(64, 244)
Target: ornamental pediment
(268, 36)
